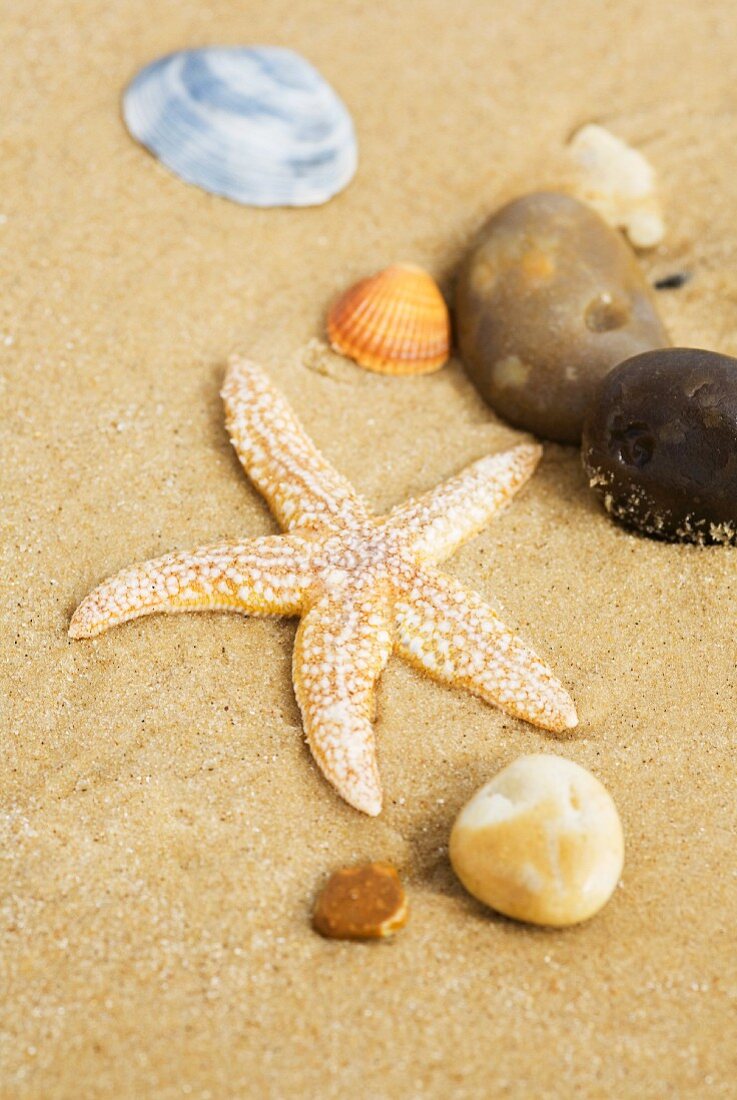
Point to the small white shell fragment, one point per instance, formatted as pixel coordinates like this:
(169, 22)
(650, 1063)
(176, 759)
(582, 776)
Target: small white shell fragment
(619, 183)
(258, 125)
(542, 842)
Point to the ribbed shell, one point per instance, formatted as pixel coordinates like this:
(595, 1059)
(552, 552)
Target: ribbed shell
(395, 322)
(258, 125)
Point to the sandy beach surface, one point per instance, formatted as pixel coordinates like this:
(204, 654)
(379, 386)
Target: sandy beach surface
(163, 829)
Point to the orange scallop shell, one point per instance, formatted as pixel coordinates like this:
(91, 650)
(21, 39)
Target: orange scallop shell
(395, 322)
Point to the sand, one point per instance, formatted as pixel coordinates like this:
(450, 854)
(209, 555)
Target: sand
(164, 829)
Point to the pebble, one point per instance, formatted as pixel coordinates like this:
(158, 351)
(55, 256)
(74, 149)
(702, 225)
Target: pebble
(674, 281)
(660, 445)
(619, 182)
(361, 903)
(549, 300)
(542, 842)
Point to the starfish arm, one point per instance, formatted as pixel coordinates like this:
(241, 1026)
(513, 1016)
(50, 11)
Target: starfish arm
(458, 639)
(341, 648)
(265, 576)
(300, 485)
(451, 514)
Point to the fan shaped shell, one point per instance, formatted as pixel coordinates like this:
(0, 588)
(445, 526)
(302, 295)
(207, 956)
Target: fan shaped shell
(395, 322)
(258, 125)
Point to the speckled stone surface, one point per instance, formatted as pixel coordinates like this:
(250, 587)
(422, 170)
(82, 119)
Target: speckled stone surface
(550, 298)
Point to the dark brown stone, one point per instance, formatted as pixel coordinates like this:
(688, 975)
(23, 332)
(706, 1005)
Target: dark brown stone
(549, 300)
(660, 445)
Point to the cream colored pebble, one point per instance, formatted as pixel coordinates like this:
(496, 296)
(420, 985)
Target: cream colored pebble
(619, 183)
(542, 842)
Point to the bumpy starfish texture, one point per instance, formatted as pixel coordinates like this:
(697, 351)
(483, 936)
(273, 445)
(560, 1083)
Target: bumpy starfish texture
(364, 587)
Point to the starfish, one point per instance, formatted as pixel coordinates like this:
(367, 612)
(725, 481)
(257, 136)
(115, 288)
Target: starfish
(363, 587)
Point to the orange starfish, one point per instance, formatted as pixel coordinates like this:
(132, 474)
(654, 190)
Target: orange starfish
(364, 587)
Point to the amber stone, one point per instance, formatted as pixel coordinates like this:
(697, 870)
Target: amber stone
(359, 903)
(549, 300)
(660, 445)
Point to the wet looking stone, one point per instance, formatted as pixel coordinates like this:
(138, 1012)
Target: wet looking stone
(660, 445)
(549, 300)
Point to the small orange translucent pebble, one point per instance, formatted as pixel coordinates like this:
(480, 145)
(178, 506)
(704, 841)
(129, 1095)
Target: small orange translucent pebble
(361, 903)
(395, 322)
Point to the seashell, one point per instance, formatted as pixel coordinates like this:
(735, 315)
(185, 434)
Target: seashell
(395, 322)
(619, 183)
(258, 125)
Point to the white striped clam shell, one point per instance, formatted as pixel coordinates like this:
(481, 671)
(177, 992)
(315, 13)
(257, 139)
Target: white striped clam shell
(258, 125)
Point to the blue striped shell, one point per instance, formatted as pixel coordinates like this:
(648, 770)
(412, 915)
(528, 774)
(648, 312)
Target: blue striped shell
(258, 125)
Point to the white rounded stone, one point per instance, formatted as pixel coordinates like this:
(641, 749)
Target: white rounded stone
(542, 842)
